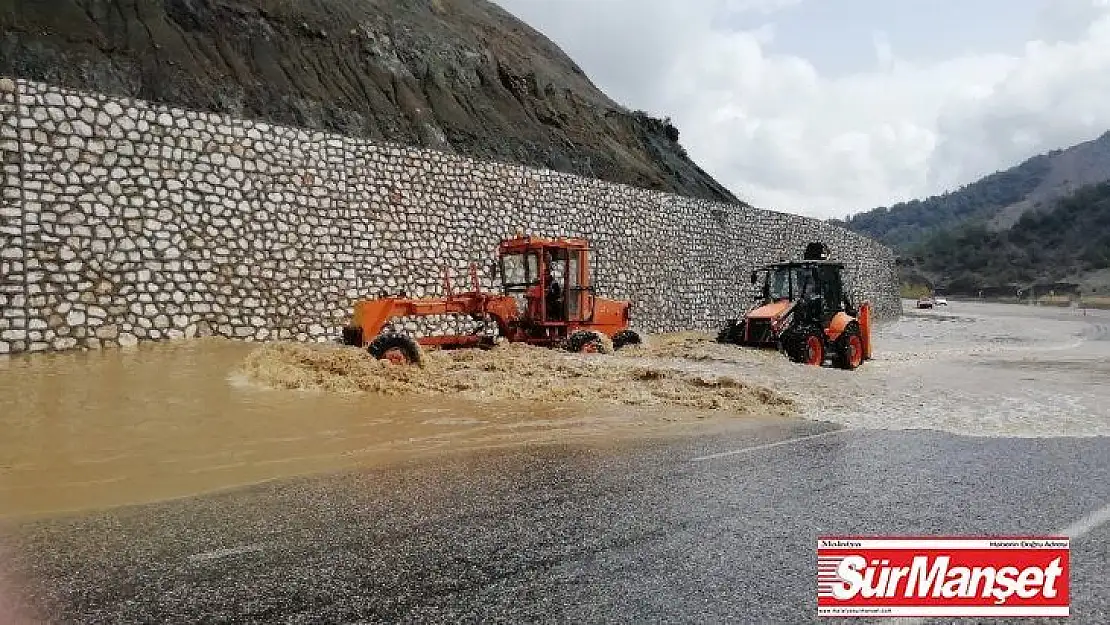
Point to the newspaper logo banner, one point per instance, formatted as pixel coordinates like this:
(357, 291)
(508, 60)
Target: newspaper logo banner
(921, 577)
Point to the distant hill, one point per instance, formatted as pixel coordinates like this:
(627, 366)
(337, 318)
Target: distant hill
(998, 200)
(907, 224)
(463, 76)
(1059, 245)
(994, 231)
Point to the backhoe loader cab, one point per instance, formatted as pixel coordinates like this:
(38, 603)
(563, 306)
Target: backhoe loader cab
(803, 309)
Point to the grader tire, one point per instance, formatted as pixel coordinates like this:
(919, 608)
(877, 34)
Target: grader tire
(627, 337)
(589, 342)
(396, 348)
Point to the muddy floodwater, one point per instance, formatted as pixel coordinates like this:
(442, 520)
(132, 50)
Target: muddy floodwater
(100, 429)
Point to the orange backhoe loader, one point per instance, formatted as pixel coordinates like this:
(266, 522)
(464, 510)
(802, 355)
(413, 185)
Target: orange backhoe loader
(547, 299)
(804, 311)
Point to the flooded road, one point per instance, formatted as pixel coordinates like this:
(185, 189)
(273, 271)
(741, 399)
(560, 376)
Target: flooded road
(667, 484)
(102, 429)
(973, 369)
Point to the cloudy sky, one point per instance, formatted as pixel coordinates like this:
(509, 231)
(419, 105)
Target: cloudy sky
(829, 107)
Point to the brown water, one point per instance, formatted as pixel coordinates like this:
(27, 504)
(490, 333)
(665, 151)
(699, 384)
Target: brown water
(100, 429)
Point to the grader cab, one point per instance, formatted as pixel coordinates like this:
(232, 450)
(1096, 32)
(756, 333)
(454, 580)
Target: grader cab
(547, 298)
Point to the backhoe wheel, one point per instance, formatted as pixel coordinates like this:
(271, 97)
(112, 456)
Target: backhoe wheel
(399, 349)
(589, 342)
(807, 346)
(625, 338)
(849, 348)
(732, 333)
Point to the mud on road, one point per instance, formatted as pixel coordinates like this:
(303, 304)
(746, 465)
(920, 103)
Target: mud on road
(514, 372)
(93, 430)
(969, 368)
(102, 429)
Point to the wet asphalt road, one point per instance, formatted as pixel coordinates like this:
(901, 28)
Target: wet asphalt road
(637, 532)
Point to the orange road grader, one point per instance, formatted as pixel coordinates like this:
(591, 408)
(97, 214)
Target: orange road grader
(546, 299)
(804, 311)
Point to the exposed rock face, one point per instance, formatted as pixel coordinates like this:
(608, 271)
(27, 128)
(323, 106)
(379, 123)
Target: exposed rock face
(455, 75)
(123, 222)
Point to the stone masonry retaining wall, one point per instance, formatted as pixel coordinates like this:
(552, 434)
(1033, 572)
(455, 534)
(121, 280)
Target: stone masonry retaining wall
(123, 221)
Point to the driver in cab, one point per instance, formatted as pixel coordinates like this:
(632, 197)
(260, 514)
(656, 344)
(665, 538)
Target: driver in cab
(553, 293)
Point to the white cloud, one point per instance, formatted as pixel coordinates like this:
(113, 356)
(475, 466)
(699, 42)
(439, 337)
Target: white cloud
(781, 135)
(884, 52)
(758, 6)
(1053, 96)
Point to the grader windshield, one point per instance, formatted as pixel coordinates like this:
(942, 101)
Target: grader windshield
(519, 271)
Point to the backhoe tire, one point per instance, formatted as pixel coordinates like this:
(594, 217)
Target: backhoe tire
(849, 348)
(396, 348)
(732, 333)
(589, 342)
(805, 345)
(625, 338)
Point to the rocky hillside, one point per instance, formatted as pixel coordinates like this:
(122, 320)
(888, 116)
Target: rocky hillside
(1068, 171)
(457, 75)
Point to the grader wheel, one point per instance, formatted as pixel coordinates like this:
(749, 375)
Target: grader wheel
(627, 337)
(589, 342)
(398, 349)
